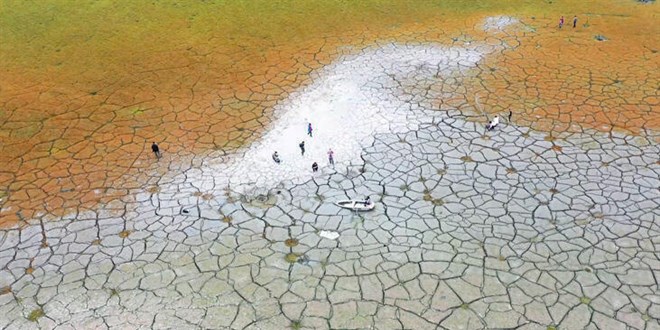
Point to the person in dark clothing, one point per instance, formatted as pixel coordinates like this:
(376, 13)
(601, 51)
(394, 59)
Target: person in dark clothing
(315, 167)
(561, 22)
(574, 21)
(331, 157)
(367, 201)
(510, 114)
(155, 149)
(276, 157)
(302, 148)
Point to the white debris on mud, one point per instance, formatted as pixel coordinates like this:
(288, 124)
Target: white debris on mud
(499, 23)
(331, 235)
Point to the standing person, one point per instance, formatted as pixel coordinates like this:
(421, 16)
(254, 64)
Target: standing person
(561, 22)
(510, 114)
(309, 129)
(574, 21)
(155, 149)
(315, 167)
(496, 121)
(331, 158)
(302, 148)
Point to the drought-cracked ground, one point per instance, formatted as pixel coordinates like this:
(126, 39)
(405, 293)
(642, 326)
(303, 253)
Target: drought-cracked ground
(550, 221)
(504, 229)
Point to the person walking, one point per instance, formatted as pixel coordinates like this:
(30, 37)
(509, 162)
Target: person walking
(331, 157)
(561, 22)
(574, 21)
(155, 149)
(510, 114)
(302, 148)
(315, 167)
(309, 129)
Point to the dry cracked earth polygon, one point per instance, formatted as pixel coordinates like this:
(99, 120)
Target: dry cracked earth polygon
(547, 222)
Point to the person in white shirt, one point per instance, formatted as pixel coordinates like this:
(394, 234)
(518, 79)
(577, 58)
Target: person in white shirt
(491, 125)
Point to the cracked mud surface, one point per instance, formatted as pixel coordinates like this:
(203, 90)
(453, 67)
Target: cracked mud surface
(548, 222)
(472, 230)
(80, 103)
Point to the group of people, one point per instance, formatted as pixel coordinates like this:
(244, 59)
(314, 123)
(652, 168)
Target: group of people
(496, 121)
(561, 22)
(315, 165)
(276, 157)
(331, 154)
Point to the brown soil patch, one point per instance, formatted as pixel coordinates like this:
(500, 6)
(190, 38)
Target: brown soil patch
(5, 290)
(291, 242)
(78, 110)
(566, 80)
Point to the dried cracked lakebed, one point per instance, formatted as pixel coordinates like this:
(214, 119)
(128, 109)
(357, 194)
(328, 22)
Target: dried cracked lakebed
(548, 222)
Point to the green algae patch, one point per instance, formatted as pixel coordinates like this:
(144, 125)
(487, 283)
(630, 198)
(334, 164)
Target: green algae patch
(28, 131)
(36, 314)
(137, 111)
(292, 257)
(55, 32)
(129, 112)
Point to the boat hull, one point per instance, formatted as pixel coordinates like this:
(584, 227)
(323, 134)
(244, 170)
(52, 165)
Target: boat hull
(356, 205)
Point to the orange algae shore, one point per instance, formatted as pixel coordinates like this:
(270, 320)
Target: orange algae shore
(79, 107)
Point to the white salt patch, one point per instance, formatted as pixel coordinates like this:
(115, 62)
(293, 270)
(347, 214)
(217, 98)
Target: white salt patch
(350, 101)
(498, 23)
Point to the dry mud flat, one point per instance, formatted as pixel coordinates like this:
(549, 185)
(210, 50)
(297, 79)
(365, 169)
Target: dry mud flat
(473, 229)
(80, 106)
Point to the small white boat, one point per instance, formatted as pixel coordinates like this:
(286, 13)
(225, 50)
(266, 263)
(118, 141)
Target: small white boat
(356, 205)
